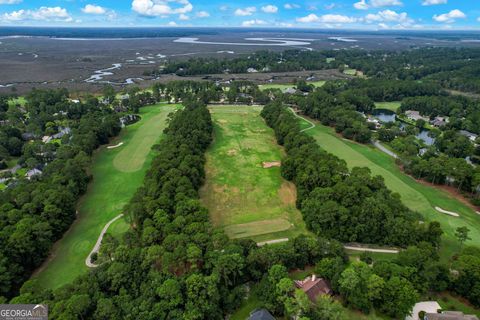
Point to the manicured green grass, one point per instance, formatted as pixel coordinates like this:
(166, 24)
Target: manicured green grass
(449, 302)
(415, 195)
(109, 192)
(248, 305)
(316, 84)
(392, 106)
(242, 196)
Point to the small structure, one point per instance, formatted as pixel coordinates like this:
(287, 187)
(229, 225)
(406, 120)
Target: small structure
(450, 315)
(290, 90)
(260, 314)
(415, 115)
(425, 306)
(470, 135)
(61, 133)
(439, 122)
(314, 287)
(32, 173)
(46, 139)
(252, 70)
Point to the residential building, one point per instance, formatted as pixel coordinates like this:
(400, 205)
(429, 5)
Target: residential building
(314, 287)
(260, 314)
(450, 315)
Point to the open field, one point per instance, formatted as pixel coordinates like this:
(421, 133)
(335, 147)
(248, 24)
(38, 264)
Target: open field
(281, 86)
(242, 196)
(392, 106)
(416, 196)
(111, 189)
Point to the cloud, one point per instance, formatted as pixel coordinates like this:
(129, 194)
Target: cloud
(327, 18)
(388, 16)
(290, 6)
(362, 5)
(224, 8)
(385, 3)
(183, 17)
(94, 9)
(330, 6)
(270, 9)
(154, 8)
(10, 1)
(254, 22)
(172, 24)
(450, 17)
(245, 11)
(203, 14)
(433, 2)
(56, 14)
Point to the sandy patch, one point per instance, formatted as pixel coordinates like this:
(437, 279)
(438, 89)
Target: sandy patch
(222, 121)
(232, 152)
(450, 213)
(271, 164)
(288, 193)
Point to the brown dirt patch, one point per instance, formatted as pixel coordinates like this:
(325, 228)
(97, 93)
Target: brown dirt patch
(271, 164)
(232, 152)
(288, 193)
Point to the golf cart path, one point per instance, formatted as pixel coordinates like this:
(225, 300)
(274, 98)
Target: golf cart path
(96, 248)
(312, 125)
(366, 249)
(382, 148)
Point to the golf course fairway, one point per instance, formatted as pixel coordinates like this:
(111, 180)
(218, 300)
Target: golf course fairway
(117, 173)
(416, 196)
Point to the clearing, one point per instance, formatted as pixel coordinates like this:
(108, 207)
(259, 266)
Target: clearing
(416, 196)
(280, 86)
(115, 180)
(243, 197)
(392, 106)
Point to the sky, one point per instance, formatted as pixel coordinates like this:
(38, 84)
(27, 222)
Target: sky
(337, 14)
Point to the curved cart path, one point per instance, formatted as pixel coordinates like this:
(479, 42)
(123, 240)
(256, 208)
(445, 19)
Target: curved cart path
(312, 125)
(96, 248)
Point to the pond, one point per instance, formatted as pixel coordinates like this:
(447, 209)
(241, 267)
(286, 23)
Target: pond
(384, 115)
(422, 135)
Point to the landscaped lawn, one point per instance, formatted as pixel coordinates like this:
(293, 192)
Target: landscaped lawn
(116, 176)
(244, 198)
(415, 195)
(392, 106)
(280, 86)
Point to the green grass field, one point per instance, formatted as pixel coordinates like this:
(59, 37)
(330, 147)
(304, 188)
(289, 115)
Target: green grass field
(117, 173)
(416, 196)
(280, 86)
(392, 106)
(242, 196)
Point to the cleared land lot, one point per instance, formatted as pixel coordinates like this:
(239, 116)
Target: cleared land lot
(415, 195)
(243, 197)
(116, 176)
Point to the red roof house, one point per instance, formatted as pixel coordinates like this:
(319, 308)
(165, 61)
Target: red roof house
(314, 287)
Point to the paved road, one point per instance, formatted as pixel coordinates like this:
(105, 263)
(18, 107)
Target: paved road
(96, 248)
(260, 244)
(366, 249)
(382, 148)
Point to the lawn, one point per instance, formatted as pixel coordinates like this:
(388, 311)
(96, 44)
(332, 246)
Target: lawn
(392, 106)
(244, 198)
(316, 84)
(416, 196)
(116, 177)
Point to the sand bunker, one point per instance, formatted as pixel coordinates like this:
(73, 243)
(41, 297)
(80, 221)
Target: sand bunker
(115, 146)
(267, 165)
(450, 213)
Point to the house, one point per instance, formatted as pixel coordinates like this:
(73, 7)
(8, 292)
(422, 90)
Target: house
(415, 115)
(290, 90)
(470, 135)
(425, 306)
(439, 121)
(314, 287)
(32, 173)
(46, 139)
(450, 315)
(260, 314)
(61, 133)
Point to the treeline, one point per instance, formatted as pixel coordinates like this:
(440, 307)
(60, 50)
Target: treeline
(35, 213)
(262, 61)
(341, 204)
